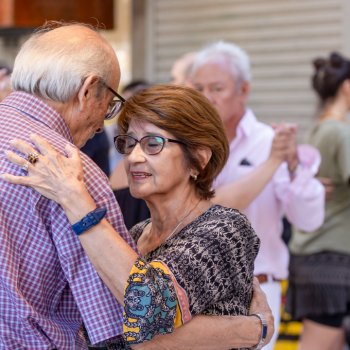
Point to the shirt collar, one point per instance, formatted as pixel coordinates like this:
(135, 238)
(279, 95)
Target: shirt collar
(245, 126)
(38, 110)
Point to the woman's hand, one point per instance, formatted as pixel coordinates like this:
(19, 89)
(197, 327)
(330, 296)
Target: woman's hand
(328, 186)
(54, 175)
(284, 144)
(259, 305)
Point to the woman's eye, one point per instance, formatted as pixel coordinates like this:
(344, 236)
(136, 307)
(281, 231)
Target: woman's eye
(129, 145)
(152, 143)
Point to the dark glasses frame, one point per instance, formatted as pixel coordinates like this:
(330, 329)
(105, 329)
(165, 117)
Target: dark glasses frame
(142, 144)
(117, 103)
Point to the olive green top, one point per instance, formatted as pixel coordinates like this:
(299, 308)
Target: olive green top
(332, 138)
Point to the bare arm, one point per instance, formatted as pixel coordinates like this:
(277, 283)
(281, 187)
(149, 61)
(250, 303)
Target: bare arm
(218, 332)
(240, 193)
(209, 333)
(328, 186)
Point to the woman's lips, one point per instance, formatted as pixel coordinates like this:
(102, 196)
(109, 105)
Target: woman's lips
(140, 174)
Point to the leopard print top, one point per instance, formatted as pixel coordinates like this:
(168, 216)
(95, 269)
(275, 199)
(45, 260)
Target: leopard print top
(212, 259)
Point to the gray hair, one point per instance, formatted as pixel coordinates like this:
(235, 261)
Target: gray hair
(236, 58)
(55, 70)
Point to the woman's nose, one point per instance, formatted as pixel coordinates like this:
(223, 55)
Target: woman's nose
(137, 154)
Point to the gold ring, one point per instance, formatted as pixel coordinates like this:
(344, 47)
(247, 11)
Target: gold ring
(33, 158)
(25, 166)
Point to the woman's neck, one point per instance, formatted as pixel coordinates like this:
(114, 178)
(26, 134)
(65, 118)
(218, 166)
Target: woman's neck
(165, 215)
(169, 218)
(336, 110)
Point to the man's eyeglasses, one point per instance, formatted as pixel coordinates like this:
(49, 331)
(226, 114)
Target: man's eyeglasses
(149, 144)
(116, 104)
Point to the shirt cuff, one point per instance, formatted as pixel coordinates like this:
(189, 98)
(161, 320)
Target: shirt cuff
(309, 158)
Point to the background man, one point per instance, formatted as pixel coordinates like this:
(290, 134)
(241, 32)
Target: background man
(181, 68)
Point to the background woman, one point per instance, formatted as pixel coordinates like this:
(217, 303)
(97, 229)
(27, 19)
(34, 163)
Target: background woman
(319, 285)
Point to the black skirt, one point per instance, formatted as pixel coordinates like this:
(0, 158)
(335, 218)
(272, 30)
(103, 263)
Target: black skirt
(319, 284)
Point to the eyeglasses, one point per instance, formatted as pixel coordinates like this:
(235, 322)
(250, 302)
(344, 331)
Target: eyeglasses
(116, 104)
(149, 144)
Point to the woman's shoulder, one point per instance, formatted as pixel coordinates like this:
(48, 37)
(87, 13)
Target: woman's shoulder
(329, 133)
(225, 219)
(137, 229)
(225, 213)
(333, 126)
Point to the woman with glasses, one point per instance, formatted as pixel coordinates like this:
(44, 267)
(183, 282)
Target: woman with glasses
(195, 256)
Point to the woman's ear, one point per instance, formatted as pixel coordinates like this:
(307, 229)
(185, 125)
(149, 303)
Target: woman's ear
(204, 155)
(87, 90)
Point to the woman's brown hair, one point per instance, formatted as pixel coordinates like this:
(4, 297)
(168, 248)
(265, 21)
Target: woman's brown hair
(189, 116)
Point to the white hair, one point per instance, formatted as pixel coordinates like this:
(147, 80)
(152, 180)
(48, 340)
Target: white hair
(236, 58)
(49, 68)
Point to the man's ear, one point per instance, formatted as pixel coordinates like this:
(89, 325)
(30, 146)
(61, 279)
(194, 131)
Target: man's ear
(87, 90)
(245, 89)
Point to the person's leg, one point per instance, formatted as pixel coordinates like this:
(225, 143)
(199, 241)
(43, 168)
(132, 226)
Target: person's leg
(318, 336)
(273, 294)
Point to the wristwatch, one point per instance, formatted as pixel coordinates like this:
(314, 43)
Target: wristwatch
(263, 333)
(89, 220)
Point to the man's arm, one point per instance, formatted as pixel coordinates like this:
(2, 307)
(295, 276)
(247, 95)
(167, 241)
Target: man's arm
(218, 332)
(240, 193)
(302, 195)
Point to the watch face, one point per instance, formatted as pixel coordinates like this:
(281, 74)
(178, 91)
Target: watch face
(264, 331)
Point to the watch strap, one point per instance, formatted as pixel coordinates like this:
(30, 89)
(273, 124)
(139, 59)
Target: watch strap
(89, 220)
(263, 333)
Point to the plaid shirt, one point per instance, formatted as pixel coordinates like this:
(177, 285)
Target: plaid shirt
(47, 284)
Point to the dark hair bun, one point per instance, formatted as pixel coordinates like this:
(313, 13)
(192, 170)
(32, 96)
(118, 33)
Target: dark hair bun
(330, 74)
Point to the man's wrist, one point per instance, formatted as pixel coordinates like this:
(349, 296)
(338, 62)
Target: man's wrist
(263, 333)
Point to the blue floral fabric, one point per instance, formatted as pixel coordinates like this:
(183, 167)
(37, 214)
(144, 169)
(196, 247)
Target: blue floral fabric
(150, 302)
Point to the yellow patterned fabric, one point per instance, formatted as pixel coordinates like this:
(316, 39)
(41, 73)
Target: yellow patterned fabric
(154, 302)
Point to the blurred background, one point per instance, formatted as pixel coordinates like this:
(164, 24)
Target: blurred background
(281, 37)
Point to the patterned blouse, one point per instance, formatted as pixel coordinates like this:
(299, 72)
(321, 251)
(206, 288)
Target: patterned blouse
(210, 263)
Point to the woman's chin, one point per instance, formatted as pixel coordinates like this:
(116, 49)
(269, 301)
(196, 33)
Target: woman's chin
(137, 193)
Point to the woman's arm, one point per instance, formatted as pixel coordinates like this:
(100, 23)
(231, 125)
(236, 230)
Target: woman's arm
(218, 332)
(209, 333)
(240, 193)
